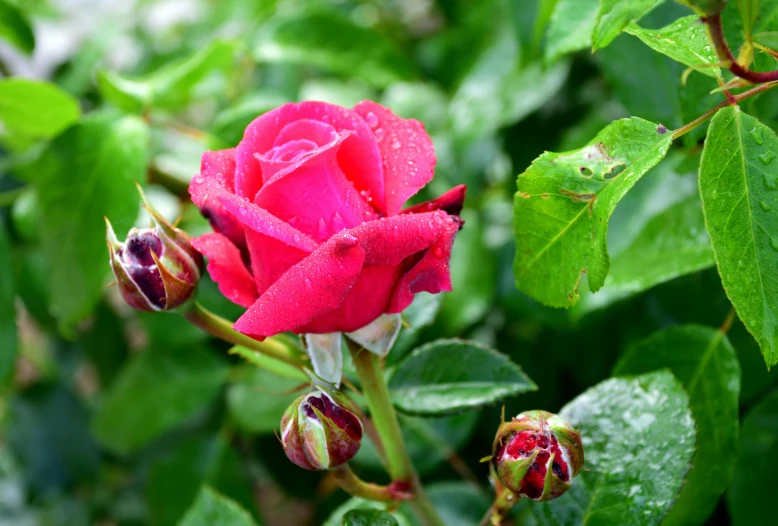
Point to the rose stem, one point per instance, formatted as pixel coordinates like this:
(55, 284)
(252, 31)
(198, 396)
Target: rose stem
(353, 485)
(385, 420)
(221, 328)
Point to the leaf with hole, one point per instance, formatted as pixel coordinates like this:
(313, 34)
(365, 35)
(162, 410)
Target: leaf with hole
(564, 202)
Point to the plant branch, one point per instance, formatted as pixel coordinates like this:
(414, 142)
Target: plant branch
(725, 54)
(683, 130)
(388, 428)
(222, 328)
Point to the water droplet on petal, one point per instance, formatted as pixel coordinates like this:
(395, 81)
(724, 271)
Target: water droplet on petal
(372, 120)
(199, 179)
(308, 283)
(396, 145)
(322, 228)
(242, 210)
(296, 237)
(380, 133)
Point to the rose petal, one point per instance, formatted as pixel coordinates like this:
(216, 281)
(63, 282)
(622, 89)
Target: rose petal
(271, 258)
(227, 269)
(390, 240)
(359, 156)
(315, 195)
(367, 300)
(311, 130)
(407, 153)
(431, 274)
(451, 202)
(219, 165)
(206, 191)
(313, 287)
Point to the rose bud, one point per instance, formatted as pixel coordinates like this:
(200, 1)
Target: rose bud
(311, 233)
(537, 454)
(156, 268)
(321, 430)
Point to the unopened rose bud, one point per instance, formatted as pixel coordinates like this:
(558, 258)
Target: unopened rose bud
(156, 268)
(321, 430)
(537, 454)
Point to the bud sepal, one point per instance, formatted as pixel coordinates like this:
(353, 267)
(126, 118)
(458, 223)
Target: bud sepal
(321, 430)
(537, 454)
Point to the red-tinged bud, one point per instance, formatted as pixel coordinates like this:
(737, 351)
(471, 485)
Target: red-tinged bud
(537, 454)
(156, 268)
(321, 430)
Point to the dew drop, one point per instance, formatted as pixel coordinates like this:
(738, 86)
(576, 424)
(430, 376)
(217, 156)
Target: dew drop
(769, 182)
(199, 179)
(438, 251)
(372, 120)
(438, 218)
(774, 243)
(322, 228)
(380, 133)
(756, 133)
(296, 237)
(765, 206)
(767, 157)
(308, 283)
(741, 264)
(396, 145)
(242, 210)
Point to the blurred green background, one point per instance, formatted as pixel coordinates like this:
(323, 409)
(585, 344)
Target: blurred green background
(112, 417)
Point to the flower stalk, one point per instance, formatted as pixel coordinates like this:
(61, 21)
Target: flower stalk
(221, 328)
(353, 485)
(387, 426)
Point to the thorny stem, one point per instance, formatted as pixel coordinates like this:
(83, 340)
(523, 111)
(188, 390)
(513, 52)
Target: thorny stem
(388, 428)
(221, 328)
(725, 54)
(353, 485)
(683, 130)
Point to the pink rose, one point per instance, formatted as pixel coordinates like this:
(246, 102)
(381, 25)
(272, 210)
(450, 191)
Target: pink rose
(309, 231)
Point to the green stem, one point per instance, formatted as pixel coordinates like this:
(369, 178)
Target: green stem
(500, 508)
(683, 130)
(222, 328)
(353, 485)
(385, 420)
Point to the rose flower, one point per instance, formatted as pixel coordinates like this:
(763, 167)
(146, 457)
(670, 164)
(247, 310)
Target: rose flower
(310, 234)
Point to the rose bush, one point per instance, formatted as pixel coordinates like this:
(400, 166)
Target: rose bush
(309, 231)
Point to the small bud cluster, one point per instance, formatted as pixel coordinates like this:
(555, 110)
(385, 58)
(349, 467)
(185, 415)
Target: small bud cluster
(537, 454)
(156, 268)
(321, 430)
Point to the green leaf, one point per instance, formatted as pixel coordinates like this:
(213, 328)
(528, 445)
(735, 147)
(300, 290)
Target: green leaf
(684, 41)
(8, 335)
(171, 86)
(156, 391)
(173, 480)
(570, 28)
(563, 204)
(749, 13)
(35, 109)
(447, 376)
(257, 399)
(330, 41)
(15, 28)
(638, 435)
(751, 496)
(707, 366)
(212, 508)
(657, 234)
(361, 517)
(615, 15)
(356, 504)
(85, 174)
(503, 90)
(738, 183)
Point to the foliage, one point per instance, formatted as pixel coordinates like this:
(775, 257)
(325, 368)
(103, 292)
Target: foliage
(626, 278)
